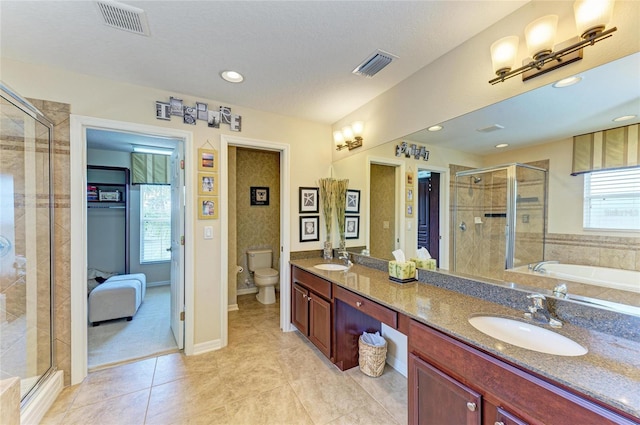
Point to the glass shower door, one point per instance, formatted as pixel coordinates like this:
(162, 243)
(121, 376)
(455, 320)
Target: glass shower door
(26, 325)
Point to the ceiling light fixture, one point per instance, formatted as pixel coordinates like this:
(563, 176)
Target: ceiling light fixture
(152, 150)
(592, 17)
(502, 145)
(349, 137)
(566, 82)
(624, 118)
(435, 128)
(232, 76)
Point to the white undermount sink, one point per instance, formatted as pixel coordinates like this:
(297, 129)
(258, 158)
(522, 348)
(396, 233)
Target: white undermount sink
(526, 335)
(331, 266)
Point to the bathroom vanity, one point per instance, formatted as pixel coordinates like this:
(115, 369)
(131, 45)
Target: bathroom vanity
(457, 374)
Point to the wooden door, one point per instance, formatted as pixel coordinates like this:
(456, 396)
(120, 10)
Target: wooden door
(300, 309)
(429, 215)
(320, 323)
(436, 398)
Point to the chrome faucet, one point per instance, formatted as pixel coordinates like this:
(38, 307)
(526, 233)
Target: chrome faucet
(344, 255)
(537, 267)
(538, 311)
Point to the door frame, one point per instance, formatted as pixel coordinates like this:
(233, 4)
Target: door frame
(78, 233)
(285, 227)
(445, 237)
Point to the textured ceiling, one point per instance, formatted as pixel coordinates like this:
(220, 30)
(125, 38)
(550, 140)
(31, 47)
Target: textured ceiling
(296, 56)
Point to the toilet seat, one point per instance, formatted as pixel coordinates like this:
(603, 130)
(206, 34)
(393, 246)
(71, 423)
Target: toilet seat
(266, 276)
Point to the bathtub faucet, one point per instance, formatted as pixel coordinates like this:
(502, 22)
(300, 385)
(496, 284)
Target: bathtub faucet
(537, 267)
(538, 311)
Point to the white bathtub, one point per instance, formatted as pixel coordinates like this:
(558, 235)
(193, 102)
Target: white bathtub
(626, 280)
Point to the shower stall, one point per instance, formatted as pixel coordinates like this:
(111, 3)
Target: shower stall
(26, 235)
(499, 219)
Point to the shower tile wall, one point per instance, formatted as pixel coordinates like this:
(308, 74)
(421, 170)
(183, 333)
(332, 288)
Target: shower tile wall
(58, 113)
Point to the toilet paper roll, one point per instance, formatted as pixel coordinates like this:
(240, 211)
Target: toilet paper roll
(239, 269)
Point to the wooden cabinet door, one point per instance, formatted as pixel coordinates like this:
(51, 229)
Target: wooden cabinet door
(436, 398)
(320, 323)
(300, 308)
(505, 418)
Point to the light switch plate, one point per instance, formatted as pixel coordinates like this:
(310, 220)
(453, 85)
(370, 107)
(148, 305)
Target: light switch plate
(385, 224)
(208, 232)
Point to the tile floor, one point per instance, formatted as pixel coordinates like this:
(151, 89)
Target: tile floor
(264, 376)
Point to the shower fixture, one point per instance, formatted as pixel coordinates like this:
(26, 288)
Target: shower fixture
(476, 179)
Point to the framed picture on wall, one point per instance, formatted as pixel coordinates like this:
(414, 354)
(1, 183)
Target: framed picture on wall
(353, 201)
(208, 160)
(208, 207)
(351, 227)
(409, 195)
(309, 200)
(259, 195)
(163, 111)
(409, 211)
(309, 228)
(208, 184)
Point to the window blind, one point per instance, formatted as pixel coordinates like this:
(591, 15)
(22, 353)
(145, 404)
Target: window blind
(150, 169)
(612, 200)
(155, 223)
(606, 150)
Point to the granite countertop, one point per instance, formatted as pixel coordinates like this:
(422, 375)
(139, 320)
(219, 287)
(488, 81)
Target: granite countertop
(609, 372)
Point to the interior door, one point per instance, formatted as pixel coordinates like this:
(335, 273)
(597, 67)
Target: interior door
(177, 247)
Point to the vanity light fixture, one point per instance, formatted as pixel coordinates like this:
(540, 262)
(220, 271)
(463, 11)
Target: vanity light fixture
(592, 17)
(349, 137)
(232, 76)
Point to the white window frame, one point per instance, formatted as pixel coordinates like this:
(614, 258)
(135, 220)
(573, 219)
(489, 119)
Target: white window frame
(602, 189)
(143, 188)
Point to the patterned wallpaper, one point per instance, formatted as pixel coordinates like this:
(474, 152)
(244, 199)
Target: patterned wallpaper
(383, 196)
(258, 227)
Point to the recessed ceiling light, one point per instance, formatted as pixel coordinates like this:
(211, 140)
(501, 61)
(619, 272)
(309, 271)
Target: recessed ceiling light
(435, 128)
(232, 76)
(502, 145)
(624, 118)
(566, 82)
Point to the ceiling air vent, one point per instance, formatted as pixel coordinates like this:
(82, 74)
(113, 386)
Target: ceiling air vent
(124, 17)
(489, 129)
(374, 63)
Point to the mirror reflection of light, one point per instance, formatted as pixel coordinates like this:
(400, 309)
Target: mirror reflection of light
(566, 82)
(435, 128)
(624, 118)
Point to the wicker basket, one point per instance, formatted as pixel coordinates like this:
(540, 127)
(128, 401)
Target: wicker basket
(371, 358)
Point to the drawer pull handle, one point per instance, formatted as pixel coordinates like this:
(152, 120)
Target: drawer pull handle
(498, 423)
(308, 298)
(358, 303)
(304, 296)
(471, 406)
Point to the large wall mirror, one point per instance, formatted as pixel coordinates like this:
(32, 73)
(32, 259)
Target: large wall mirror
(539, 127)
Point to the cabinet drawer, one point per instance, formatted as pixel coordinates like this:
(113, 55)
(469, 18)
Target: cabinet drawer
(370, 308)
(312, 282)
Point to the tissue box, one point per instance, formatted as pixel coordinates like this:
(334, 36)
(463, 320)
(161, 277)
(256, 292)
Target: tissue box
(402, 271)
(429, 264)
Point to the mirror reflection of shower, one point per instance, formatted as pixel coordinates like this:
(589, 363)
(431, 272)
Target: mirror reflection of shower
(503, 208)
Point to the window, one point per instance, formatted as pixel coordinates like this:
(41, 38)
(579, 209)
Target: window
(612, 200)
(155, 223)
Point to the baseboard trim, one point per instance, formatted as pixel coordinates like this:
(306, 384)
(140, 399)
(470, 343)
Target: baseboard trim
(46, 395)
(232, 307)
(160, 283)
(397, 364)
(206, 347)
(246, 291)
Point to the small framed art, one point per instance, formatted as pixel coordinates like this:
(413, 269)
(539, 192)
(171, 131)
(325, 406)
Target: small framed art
(309, 228)
(163, 111)
(353, 201)
(351, 227)
(259, 195)
(208, 184)
(208, 207)
(409, 196)
(208, 160)
(309, 200)
(176, 106)
(409, 210)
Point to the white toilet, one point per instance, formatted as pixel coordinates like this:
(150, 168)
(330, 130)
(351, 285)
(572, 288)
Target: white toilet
(264, 276)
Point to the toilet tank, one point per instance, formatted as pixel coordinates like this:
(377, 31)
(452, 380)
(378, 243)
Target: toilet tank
(259, 259)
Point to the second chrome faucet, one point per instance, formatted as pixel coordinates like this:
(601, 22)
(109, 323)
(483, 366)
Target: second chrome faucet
(539, 311)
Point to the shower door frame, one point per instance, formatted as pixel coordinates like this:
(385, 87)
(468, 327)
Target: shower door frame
(23, 105)
(512, 187)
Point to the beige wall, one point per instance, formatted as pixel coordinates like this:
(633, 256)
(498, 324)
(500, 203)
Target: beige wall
(257, 227)
(383, 195)
(457, 82)
(310, 149)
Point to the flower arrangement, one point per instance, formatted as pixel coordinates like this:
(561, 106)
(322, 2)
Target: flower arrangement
(340, 201)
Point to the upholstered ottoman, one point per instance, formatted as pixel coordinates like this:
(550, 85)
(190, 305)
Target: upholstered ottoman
(119, 296)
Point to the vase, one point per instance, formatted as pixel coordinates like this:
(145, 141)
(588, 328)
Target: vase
(343, 244)
(327, 252)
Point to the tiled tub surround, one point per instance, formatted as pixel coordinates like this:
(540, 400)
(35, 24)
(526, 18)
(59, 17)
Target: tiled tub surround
(617, 252)
(609, 372)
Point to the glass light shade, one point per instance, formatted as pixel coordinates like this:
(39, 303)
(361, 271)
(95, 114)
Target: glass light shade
(347, 133)
(503, 54)
(338, 139)
(541, 35)
(358, 128)
(592, 16)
